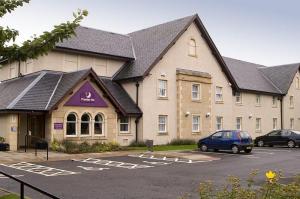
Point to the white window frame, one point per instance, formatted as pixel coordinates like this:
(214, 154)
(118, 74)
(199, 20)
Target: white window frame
(76, 125)
(165, 124)
(258, 124)
(258, 100)
(160, 89)
(102, 123)
(275, 123)
(219, 123)
(240, 123)
(292, 123)
(292, 101)
(124, 123)
(238, 95)
(86, 122)
(192, 47)
(219, 95)
(198, 92)
(198, 124)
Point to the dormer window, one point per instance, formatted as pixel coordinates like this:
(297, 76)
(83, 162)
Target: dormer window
(192, 48)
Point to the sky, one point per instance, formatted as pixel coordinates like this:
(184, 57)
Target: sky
(260, 31)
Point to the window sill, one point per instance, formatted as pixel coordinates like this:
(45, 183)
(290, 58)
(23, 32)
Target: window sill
(274, 107)
(71, 136)
(125, 134)
(190, 55)
(163, 133)
(85, 136)
(257, 105)
(219, 102)
(238, 104)
(257, 131)
(162, 98)
(197, 100)
(196, 132)
(291, 107)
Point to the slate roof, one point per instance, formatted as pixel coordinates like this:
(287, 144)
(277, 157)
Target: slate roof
(121, 96)
(100, 42)
(42, 91)
(260, 78)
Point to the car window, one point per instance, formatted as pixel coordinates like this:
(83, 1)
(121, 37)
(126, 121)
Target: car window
(296, 132)
(286, 133)
(227, 135)
(274, 133)
(217, 135)
(244, 134)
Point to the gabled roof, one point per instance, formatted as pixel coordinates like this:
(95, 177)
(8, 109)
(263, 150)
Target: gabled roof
(44, 90)
(100, 42)
(151, 44)
(282, 76)
(259, 78)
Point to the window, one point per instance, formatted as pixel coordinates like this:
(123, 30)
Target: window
(292, 123)
(219, 123)
(124, 124)
(275, 133)
(227, 135)
(71, 124)
(239, 123)
(162, 88)
(258, 100)
(274, 101)
(258, 124)
(162, 123)
(85, 124)
(297, 82)
(238, 97)
(196, 123)
(291, 101)
(217, 135)
(196, 92)
(274, 123)
(98, 125)
(219, 94)
(192, 47)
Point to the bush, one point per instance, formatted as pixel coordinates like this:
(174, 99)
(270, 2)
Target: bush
(2, 139)
(72, 147)
(182, 142)
(137, 144)
(233, 189)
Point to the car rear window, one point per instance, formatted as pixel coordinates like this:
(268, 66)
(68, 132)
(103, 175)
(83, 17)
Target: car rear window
(244, 134)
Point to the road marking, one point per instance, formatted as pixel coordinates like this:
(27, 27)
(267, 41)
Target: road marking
(157, 163)
(39, 169)
(272, 150)
(250, 156)
(169, 159)
(117, 164)
(4, 177)
(92, 168)
(264, 152)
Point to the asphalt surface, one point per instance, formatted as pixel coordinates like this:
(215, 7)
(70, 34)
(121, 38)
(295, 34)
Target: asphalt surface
(136, 177)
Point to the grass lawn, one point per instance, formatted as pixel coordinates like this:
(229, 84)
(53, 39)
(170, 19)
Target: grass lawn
(10, 196)
(164, 147)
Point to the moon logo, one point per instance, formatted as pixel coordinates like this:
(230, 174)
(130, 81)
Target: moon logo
(88, 95)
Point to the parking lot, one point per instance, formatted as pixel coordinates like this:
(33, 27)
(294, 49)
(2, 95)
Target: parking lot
(146, 175)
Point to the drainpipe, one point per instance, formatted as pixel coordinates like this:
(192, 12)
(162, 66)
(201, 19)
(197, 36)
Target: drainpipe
(19, 69)
(138, 118)
(281, 111)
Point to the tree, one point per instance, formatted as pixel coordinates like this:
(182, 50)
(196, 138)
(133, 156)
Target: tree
(38, 45)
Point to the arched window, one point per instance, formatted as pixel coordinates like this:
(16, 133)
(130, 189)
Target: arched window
(99, 125)
(71, 124)
(85, 124)
(192, 47)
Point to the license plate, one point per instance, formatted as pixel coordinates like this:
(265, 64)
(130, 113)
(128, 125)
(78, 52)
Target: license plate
(248, 147)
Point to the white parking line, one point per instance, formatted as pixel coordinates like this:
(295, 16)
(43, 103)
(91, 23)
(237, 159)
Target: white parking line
(92, 168)
(169, 159)
(110, 163)
(39, 169)
(272, 150)
(4, 177)
(158, 163)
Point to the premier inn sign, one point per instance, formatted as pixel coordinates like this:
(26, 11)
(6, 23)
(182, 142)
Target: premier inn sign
(86, 96)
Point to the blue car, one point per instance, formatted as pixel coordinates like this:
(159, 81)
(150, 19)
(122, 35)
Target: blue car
(233, 140)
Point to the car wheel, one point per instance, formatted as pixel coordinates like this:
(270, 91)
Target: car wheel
(248, 150)
(203, 147)
(235, 149)
(291, 144)
(260, 143)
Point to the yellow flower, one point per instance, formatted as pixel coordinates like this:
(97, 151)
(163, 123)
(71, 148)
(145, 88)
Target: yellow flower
(270, 175)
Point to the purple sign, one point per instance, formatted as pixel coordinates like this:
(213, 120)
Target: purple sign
(86, 96)
(58, 126)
